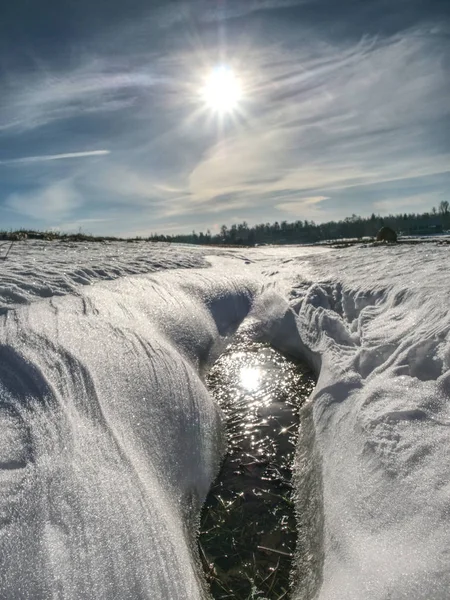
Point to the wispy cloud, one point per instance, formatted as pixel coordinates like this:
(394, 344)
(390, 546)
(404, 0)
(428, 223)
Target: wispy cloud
(204, 10)
(324, 120)
(55, 201)
(50, 157)
(121, 184)
(349, 117)
(415, 202)
(303, 206)
(98, 86)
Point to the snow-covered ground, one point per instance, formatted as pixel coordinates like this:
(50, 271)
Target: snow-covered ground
(109, 439)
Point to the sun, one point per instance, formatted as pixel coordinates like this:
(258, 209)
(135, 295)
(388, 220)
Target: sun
(222, 91)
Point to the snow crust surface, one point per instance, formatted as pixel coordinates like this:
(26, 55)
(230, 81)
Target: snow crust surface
(109, 439)
(375, 323)
(42, 269)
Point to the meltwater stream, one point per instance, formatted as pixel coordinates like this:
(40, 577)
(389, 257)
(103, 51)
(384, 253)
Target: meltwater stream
(248, 528)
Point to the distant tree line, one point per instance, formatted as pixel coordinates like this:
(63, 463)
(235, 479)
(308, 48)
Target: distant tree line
(298, 232)
(304, 232)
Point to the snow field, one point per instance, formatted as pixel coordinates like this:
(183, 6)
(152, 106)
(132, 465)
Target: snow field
(109, 440)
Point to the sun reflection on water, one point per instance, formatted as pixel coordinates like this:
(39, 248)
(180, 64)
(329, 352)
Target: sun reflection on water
(250, 378)
(248, 528)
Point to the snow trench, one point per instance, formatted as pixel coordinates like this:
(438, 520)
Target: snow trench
(109, 440)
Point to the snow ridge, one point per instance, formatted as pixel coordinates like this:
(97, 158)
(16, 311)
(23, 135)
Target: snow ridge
(109, 439)
(375, 325)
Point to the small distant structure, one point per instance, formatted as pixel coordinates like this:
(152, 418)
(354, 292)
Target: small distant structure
(386, 234)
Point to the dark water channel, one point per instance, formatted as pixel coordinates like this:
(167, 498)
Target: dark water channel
(248, 528)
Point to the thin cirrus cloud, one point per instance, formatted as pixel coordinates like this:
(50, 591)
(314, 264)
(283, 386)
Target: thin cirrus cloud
(53, 202)
(415, 201)
(348, 117)
(50, 157)
(303, 206)
(205, 11)
(54, 96)
(326, 122)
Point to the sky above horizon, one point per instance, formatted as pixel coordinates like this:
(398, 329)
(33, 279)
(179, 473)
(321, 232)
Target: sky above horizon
(345, 108)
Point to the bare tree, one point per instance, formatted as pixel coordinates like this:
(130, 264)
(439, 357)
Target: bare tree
(444, 207)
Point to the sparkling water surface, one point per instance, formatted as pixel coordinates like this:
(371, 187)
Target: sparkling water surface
(248, 530)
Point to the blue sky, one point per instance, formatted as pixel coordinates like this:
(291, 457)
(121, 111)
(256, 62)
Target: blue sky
(345, 109)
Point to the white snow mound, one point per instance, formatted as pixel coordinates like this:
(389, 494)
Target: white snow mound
(375, 325)
(109, 439)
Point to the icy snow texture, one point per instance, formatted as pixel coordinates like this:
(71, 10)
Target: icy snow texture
(109, 440)
(375, 323)
(42, 269)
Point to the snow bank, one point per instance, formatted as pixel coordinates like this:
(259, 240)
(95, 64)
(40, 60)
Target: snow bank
(375, 324)
(109, 440)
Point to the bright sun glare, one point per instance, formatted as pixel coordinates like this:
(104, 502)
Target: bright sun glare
(250, 378)
(222, 90)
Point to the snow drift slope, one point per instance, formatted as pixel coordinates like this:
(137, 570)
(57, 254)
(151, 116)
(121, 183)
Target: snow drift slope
(109, 440)
(375, 323)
